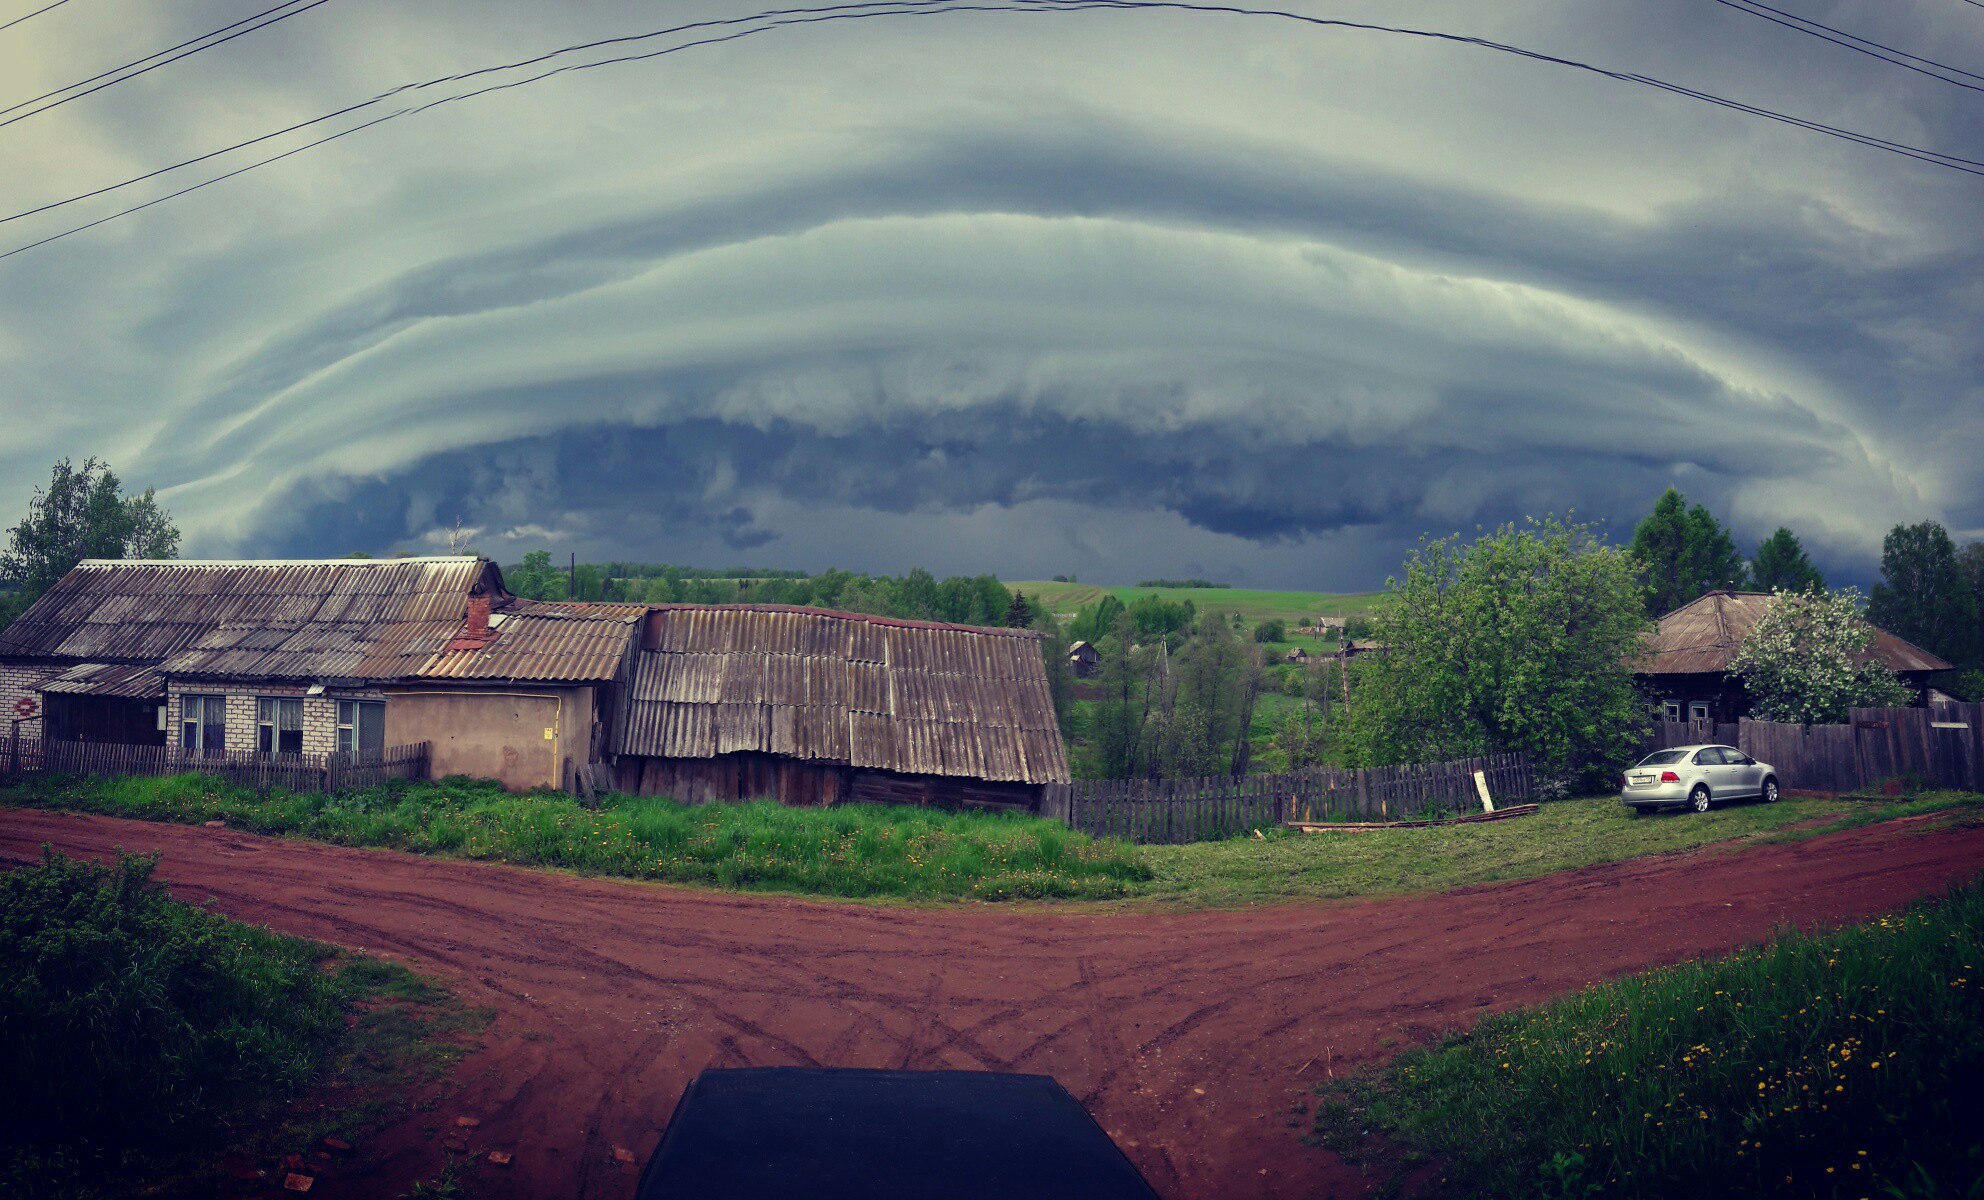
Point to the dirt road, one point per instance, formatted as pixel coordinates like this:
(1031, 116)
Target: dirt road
(1187, 1034)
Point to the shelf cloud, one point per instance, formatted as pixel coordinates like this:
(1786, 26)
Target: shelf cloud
(1103, 293)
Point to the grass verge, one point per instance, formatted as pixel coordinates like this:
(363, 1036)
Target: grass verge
(856, 850)
(145, 1041)
(1563, 835)
(1846, 1064)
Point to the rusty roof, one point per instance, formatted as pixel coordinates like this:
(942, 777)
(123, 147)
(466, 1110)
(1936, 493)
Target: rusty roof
(126, 681)
(546, 641)
(916, 697)
(1703, 635)
(287, 619)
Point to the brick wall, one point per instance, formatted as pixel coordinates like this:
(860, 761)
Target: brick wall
(16, 681)
(320, 713)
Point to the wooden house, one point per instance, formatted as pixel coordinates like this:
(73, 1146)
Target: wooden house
(730, 702)
(1685, 673)
(1084, 660)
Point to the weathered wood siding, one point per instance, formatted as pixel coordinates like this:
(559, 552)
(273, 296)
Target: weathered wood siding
(753, 776)
(1942, 746)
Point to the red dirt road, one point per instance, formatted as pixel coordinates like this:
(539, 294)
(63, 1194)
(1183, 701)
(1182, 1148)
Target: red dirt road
(1187, 1034)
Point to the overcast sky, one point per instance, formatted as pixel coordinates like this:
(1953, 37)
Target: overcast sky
(1112, 293)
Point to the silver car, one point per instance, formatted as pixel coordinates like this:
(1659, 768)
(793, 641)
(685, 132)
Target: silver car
(1696, 776)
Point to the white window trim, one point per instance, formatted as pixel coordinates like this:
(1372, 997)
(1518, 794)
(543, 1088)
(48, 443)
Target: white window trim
(1695, 706)
(275, 726)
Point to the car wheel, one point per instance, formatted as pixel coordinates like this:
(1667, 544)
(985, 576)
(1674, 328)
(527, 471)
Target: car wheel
(1698, 799)
(1770, 791)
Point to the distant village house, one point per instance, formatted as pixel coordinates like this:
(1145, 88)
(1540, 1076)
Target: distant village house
(1686, 672)
(1083, 660)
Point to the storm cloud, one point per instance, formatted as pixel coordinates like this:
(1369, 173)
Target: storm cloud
(1115, 293)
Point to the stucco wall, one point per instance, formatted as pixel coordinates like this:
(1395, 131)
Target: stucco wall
(497, 734)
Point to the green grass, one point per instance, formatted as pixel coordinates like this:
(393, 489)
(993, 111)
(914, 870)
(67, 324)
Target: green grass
(1253, 605)
(1564, 834)
(143, 1037)
(857, 851)
(1848, 1064)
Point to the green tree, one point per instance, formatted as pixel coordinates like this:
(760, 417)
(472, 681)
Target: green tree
(1270, 630)
(536, 579)
(1806, 660)
(1018, 614)
(1780, 563)
(1096, 621)
(1685, 552)
(1522, 640)
(82, 513)
(1925, 596)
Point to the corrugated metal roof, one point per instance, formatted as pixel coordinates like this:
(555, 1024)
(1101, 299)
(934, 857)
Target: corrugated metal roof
(916, 697)
(126, 681)
(338, 618)
(1703, 635)
(546, 641)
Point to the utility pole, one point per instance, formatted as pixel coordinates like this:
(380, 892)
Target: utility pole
(572, 578)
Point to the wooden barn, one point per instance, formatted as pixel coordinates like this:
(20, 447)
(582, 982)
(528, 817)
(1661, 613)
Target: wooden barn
(1686, 672)
(807, 706)
(1084, 660)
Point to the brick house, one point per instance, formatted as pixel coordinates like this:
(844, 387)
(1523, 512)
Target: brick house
(327, 657)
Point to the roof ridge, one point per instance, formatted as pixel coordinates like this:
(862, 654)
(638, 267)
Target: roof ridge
(843, 615)
(279, 562)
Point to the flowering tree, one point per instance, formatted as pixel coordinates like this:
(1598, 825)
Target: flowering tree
(1806, 660)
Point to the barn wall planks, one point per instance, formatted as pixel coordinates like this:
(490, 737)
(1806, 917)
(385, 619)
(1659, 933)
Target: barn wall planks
(747, 775)
(1171, 811)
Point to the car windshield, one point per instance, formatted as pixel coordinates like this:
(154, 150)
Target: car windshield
(1661, 758)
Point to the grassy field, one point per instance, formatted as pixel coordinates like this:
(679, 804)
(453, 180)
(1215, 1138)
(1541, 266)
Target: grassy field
(869, 852)
(855, 851)
(1252, 605)
(1849, 1064)
(1563, 835)
(146, 1039)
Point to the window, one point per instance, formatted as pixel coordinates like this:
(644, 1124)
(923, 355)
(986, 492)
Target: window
(203, 724)
(1698, 711)
(279, 724)
(1671, 710)
(361, 728)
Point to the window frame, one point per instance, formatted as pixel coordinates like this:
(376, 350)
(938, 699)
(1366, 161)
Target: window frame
(1670, 710)
(1695, 706)
(204, 701)
(269, 729)
(349, 724)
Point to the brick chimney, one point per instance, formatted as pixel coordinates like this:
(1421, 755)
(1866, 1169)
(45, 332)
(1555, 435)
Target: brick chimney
(475, 632)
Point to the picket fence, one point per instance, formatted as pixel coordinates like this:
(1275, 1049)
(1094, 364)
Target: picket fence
(1939, 746)
(20, 757)
(1170, 811)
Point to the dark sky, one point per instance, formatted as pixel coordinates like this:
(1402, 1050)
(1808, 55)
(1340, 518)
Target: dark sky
(1113, 293)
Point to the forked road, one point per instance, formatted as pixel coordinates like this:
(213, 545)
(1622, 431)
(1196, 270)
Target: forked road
(1189, 1035)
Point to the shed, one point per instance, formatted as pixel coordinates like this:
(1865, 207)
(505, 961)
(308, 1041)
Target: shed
(1685, 668)
(1083, 659)
(810, 706)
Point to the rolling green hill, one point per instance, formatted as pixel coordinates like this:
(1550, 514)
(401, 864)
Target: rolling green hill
(1251, 604)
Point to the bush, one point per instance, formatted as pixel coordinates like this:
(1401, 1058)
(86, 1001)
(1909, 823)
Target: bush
(1848, 1064)
(127, 1017)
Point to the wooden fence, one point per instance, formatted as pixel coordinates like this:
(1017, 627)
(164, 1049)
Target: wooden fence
(1169, 811)
(1941, 746)
(248, 768)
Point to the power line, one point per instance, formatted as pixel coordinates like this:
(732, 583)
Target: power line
(786, 18)
(139, 61)
(1854, 42)
(443, 79)
(183, 53)
(37, 12)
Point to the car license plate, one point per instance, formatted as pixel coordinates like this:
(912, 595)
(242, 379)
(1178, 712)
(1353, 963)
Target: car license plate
(1642, 779)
